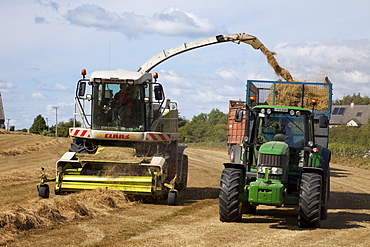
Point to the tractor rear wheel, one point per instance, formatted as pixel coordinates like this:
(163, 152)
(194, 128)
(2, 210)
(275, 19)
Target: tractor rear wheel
(230, 208)
(310, 201)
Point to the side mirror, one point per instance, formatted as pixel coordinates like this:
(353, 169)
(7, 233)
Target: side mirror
(82, 88)
(323, 122)
(158, 93)
(238, 116)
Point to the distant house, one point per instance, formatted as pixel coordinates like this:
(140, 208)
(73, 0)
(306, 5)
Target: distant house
(350, 115)
(2, 116)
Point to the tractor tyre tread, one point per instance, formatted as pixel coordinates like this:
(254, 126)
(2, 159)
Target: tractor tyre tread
(229, 205)
(310, 201)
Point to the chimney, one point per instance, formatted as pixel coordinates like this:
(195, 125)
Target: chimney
(352, 104)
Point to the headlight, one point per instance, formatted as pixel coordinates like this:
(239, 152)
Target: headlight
(273, 170)
(276, 170)
(261, 169)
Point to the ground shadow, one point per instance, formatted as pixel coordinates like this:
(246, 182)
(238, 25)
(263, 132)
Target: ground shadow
(345, 209)
(194, 194)
(339, 173)
(188, 196)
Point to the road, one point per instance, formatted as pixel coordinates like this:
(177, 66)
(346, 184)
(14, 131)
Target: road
(194, 222)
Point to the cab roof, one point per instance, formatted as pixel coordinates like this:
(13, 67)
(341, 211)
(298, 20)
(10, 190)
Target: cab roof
(121, 75)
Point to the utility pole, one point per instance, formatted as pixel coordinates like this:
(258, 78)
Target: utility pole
(56, 120)
(7, 125)
(47, 124)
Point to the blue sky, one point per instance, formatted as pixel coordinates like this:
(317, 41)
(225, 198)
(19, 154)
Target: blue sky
(45, 44)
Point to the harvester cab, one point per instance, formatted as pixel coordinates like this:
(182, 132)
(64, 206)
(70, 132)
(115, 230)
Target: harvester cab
(128, 139)
(283, 157)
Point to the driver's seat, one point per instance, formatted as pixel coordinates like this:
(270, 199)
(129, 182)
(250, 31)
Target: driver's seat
(279, 137)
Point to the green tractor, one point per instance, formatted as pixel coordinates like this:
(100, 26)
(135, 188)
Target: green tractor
(283, 157)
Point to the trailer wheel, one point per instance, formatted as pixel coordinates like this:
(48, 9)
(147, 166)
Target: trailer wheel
(310, 201)
(44, 191)
(230, 208)
(172, 198)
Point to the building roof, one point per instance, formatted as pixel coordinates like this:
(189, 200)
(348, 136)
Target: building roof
(343, 114)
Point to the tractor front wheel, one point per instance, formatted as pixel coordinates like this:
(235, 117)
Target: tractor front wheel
(310, 200)
(230, 208)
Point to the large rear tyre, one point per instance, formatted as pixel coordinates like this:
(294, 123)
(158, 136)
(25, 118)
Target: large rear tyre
(310, 197)
(44, 191)
(230, 208)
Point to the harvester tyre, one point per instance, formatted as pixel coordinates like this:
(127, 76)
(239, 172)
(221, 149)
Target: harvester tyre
(230, 208)
(79, 146)
(44, 191)
(310, 197)
(172, 198)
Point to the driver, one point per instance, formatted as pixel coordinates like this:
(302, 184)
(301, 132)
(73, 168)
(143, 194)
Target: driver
(123, 101)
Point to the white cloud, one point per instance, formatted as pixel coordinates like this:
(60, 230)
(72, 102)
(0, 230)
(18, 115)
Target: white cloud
(174, 79)
(40, 20)
(345, 62)
(228, 74)
(5, 87)
(48, 4)
(170, 22)
(38, 96)
(60, 87)
(356, 76)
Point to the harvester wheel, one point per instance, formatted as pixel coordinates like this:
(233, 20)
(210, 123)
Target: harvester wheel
(78, 146)
(310, 201)
(172, 198)
(44, 191)
(230, 208)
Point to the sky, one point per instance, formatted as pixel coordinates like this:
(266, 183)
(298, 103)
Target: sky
(45, 44)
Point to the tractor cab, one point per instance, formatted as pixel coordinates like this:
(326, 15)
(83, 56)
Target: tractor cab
(289, 125)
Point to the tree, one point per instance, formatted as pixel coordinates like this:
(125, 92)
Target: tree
(211, 127)
(63, 127)
(355, 98)
(38, 125)
(217, 117)
(200, 118)
(182, 121)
